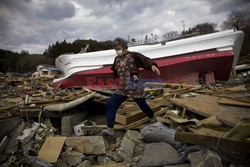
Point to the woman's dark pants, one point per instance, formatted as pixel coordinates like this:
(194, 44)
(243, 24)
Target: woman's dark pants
(116, 100)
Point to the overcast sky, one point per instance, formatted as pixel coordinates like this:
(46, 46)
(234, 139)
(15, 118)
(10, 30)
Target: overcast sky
(34, 24)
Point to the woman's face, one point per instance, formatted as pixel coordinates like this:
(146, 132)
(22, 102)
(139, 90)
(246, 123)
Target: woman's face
(120, 50)
(119, 47)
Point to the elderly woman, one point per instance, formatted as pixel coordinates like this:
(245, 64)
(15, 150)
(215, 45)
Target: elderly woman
(126, 67)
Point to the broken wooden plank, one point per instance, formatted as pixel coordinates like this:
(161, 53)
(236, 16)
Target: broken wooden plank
(74, 96)
(225, 144)
(233, 102)
(100, 101)
(167, 85)
(105, 92)
(240, 131)
(131, 114)
(34, 112)
(155, 84)
(207, 131)
(51, 149)
(235, 88)
(240, 96)
(9, 107)
(146, 119)
(205, 105)
(161, 101)
(180, 91)
(151, 90)
(95, 127)
(163, 120)
(43, 101)
(137, 123)
(65, 106)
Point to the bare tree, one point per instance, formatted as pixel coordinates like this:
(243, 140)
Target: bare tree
(205, 28)
(200, 29)
(171, 35)
(238, 20)
(133, 40)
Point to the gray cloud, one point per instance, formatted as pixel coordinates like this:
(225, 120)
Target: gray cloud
(34, 24)
(218, 6)
(56, 10)
(4, 26)
(15, 6)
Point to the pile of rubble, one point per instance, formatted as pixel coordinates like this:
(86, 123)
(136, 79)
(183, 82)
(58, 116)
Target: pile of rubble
(201, 125)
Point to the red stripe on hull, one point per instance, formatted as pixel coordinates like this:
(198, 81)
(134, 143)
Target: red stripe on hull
(182, 68)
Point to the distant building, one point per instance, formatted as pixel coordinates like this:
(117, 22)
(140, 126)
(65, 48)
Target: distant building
(46, 71)
(243, 68)
(13, 74)
(2, 74)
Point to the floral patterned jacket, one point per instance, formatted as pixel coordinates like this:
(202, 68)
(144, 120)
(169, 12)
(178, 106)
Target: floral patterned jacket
(141, 61)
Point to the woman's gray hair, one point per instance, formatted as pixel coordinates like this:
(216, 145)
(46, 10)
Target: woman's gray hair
(120, 41)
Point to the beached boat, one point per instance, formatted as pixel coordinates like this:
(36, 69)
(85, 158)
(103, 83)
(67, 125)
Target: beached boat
(182, 60)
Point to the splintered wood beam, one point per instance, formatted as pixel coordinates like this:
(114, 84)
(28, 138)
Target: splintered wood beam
(132, 116)
(232, 102)
(225, 144)
(144, 120)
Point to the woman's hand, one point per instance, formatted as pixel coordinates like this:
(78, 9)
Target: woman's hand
(155, 69)
(135, 77)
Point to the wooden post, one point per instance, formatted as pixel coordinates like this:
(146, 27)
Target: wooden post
(225, 144)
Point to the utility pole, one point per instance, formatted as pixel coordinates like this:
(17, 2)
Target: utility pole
(183, 24)
(141, 36)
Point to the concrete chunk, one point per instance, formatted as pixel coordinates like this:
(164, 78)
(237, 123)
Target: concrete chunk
(181, 165)
(75, 160)
(205, 158)
(87, 144)
(112, 165)
(157, 154)
(85, 163)
(133, 136)
(103, 159)
(69, 121)
(126, 150)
